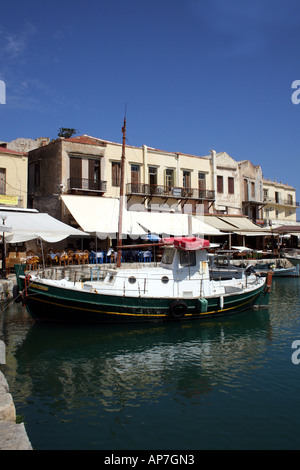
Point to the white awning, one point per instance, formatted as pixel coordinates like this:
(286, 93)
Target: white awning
(238, 224)
(244, 226)
(173, 224)
(218, 223)
(30, 225)
(100, 215)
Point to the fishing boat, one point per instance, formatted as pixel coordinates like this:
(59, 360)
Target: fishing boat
(278, 270)
(179, 289)
(284, 271)
(294, 259)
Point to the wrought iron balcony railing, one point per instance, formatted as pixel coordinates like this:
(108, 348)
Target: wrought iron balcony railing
(282, 202)
(153, 190)
(84, 184)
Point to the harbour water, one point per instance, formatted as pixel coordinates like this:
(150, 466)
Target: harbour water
(228, 383)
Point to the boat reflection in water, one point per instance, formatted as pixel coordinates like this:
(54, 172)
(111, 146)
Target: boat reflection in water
(122, 366)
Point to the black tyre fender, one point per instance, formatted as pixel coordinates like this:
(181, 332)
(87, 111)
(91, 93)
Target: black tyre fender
(16, 294)
(178, 308)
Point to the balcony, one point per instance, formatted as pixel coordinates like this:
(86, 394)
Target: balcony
(165, 192)
(281, 202)
(84, 184)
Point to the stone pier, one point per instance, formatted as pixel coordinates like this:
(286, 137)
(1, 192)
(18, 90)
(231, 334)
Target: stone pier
(13, 436)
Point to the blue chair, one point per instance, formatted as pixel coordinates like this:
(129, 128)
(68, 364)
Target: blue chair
(145, 256)
(135, 255)
(99, 257)
(92, 257)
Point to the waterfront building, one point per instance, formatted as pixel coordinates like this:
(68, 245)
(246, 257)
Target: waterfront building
(238, 185)
(65, 166)
(155, 180)
(280, 203)
(84, 165)
(13, 178)
(165, 181)
(226, 181)
(251, 181)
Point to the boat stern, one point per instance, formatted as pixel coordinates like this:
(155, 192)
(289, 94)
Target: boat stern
(262, 300)
(20, 271)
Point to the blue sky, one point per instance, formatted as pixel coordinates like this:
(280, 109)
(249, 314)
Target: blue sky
(195, 75)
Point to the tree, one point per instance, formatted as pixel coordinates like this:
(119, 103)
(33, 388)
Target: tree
(66, 132)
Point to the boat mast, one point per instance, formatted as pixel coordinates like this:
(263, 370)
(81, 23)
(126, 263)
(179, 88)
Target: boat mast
(121, 204)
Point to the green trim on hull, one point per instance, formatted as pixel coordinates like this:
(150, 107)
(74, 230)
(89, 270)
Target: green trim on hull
(57, 304)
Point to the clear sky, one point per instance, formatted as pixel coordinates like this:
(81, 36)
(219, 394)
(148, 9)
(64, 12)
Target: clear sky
(195, 75)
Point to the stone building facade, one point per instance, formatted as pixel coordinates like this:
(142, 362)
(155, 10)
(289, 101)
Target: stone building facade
(154, 179)
(280, 203)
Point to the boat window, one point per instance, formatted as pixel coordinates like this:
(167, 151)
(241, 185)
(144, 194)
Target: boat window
(132, 280)
(221, 261)
(165, 279)
(168, 256)
(188, 258)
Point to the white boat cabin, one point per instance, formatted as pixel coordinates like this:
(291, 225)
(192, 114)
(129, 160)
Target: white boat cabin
(183, 273)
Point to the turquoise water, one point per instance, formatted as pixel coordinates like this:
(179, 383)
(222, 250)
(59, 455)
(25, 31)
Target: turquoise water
(228, 383)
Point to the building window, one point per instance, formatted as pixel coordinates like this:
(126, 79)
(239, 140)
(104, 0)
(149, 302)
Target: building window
(201, 181)
(169, 178)
(220, 188)
(201, 184)
(230, 185)
(152, 175)
(253, 190)
(115, 173)
(290, 199)
(187, 179)
(135, 178)
(153, 179)
(94, 174)
(2, 180)
(94, 170)
(245, 190)
(76, 171)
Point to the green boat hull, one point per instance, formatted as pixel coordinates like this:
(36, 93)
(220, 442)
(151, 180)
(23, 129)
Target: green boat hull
(56, 304)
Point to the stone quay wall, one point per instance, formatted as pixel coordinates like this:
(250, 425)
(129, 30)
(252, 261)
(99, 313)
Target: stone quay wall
(13, 436)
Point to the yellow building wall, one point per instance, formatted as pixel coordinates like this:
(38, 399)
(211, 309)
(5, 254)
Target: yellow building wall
(16, 179)
(146, 157)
